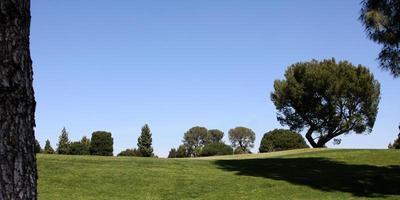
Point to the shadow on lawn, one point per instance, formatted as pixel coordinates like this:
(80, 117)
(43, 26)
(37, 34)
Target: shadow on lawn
(322, 174)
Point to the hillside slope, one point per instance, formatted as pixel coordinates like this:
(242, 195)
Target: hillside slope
(298, 174)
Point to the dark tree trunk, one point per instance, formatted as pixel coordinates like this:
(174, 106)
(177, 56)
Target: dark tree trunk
(18, 173)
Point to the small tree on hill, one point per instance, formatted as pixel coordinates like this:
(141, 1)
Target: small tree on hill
(85, 142)
(281, 139)
(78, 148)
(194, 139)
(242, 139)
(214, 136)
(38, 149)
(396, 143)
(101, 144)
(47, 148)
(328, 98)
(63, 142)
(144, 142)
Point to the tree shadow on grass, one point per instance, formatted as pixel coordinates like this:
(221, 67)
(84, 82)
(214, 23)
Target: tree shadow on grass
(322, 174)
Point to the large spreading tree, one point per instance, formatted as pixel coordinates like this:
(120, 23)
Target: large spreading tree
(17, 103)
(194, 139)
(329, 98)
(381, 19)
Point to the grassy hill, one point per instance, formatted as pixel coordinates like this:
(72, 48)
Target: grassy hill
(297, 174)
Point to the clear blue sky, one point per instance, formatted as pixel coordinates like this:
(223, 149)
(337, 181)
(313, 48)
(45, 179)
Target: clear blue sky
(116, 65)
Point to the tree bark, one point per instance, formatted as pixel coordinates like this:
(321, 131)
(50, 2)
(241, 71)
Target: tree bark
(18, 174)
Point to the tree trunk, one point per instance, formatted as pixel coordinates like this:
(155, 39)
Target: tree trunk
(18, 173)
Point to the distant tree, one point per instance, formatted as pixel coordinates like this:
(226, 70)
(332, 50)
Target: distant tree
(63, 142)
(130, 152)
(396, 143)
(242, 138)
(78, 148)
(216, 148)
(281, 139)
(194, 139)
(85, 142)
(172, 153)
(381, 19)
(101, 144)
(47, 148)
(327, 97)
(182, 152)
(38, 149)
(144, 142)
(214, 136)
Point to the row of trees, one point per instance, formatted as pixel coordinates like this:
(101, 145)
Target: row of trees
(100, 144)
(198, 141)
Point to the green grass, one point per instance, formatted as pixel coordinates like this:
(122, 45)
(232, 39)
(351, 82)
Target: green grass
(297, 174)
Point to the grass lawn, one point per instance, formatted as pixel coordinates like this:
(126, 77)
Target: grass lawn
(297, 174)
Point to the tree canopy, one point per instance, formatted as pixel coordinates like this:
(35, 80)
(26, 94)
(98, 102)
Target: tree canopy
(194, 139)
(63, 142)
(381, 19)
(101, 143)
(144, 142)
(280, 140)
(242, 139)
(328, 98)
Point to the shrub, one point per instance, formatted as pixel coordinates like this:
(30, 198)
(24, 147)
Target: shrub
(101, 144)
(47, 148)
(281, 139)
(130, 152)
(78, 148)
(217, 148)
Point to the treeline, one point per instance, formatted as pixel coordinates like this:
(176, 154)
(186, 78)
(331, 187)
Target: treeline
(100, 144)
(198, 141)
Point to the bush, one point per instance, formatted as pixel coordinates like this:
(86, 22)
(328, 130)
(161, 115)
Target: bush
(78, 148)
(101, 144)
(130, 152)
(281, 139)
(217, 148)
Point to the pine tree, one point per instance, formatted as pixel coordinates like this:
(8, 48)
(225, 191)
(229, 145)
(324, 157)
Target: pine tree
(63, 142)
(144, 142)
(47, 148)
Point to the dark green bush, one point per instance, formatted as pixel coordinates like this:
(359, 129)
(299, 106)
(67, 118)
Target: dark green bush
(217, 148)
(78, 148)
(101, 144)
(281, 139)
(130, 152)
(38, 149)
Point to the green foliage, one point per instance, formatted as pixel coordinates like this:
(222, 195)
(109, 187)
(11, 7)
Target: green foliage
(101, 144)
(85, 141)
(381, 19)
(63, 142)
(396, 143)
(38, 149)
(242, 139)
(327, 97)
(214, 136)
(194, 139)
(79, 148)
(144, 142)
(130, 152)
(281, 139)
(216, 148)
(47, 148)
(181, 152)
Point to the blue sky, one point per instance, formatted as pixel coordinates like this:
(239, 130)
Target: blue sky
(116, 65)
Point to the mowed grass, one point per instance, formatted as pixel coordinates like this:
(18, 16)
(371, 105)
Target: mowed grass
(297, 174)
